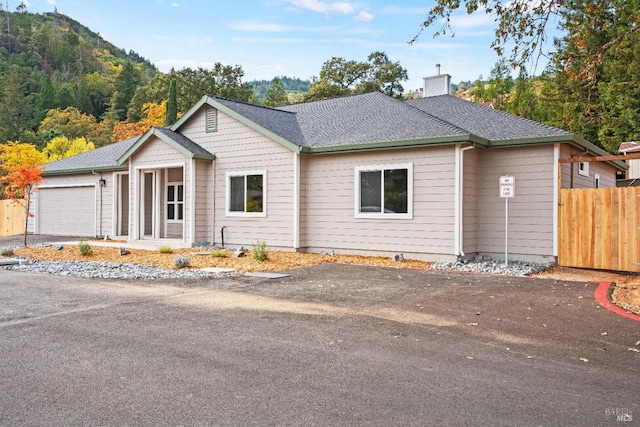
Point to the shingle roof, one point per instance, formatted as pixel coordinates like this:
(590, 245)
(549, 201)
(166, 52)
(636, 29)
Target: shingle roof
(485, 122)
(363, 119)
(352, 122)
(100, 158)
(280, 122)
(185, 142)
(629, 147)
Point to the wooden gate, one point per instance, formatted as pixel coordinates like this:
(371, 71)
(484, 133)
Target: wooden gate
(599, 228)
(11, 218)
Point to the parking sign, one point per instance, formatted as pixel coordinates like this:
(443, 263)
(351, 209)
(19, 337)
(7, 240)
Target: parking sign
(507, 186)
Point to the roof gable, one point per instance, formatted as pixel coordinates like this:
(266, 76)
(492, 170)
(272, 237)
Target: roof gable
(181, 143)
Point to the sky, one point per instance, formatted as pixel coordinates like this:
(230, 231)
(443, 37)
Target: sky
(270, 38)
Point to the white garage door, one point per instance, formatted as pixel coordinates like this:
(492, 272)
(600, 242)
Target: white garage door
(67, 211)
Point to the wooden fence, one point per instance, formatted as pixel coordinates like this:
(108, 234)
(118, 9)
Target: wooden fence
(11, 218)
(599, 228)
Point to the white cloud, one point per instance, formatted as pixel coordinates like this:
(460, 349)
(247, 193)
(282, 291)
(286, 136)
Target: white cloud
(277, 28)
(364, 16)
(257, 26)
(175, 5)
(480, 18)
(324, 7)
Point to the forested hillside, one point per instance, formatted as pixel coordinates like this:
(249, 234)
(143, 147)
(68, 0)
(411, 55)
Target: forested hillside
(50, 62)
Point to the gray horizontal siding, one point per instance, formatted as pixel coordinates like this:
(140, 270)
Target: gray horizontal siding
(330, 204)
(240, 148)
(531, 211)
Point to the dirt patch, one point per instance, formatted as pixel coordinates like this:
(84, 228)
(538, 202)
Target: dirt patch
(626, 293)
(277, 261)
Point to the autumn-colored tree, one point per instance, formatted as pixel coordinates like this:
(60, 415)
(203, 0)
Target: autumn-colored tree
(61, 147)
(69, 122)
(155, 116)
(22, 182)
(15, 154)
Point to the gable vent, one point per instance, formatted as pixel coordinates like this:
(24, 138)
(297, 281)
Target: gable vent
(212, 119)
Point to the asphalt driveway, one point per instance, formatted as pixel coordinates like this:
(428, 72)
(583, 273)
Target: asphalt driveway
(329, 345)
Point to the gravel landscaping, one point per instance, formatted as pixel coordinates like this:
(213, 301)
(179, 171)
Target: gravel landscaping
(108, 270)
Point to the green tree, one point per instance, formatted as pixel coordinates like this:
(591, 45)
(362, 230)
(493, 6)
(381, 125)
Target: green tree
(70, 122)
(65, 96)
(497, 89)
(12, 106)
(386, 75)
(276, 95)
(172, 104)
(222, 80)
(47, 96)
(592, 90)
(339, 77)
(521, 25)
(126, 83)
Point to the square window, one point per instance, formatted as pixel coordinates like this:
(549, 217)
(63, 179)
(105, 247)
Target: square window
(246, 195)
(384, 191)
(583, 168)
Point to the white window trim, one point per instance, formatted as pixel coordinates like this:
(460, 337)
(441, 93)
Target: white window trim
(381, 215)
(264, 194)
(583, 168)
(166, 202)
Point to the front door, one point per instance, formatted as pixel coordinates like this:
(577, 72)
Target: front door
(149, 205)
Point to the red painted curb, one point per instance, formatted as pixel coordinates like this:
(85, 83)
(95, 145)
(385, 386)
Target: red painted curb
(602, 296)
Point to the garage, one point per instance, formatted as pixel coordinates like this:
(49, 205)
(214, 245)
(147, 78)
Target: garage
(67, 211)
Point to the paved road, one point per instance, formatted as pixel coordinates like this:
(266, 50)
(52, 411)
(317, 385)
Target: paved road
(331, 345)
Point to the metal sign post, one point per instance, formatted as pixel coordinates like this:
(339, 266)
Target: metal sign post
(507, 190)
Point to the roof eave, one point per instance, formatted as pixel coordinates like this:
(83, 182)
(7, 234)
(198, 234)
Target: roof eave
(73, 171)
(567, 138)
(386, 145)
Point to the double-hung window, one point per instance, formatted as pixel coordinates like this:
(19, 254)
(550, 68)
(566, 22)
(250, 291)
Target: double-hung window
(384, 191)
(175, 202)
(246, 193)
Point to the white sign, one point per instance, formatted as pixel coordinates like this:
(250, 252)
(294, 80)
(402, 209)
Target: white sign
(507, 186)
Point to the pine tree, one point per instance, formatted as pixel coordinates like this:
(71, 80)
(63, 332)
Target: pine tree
(172, 104)
(276, 95)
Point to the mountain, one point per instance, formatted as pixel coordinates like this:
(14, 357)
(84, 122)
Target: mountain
(50, 61)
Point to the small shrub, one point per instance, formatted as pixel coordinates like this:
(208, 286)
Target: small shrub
(259, 251)
(181, 261)
(84, 246)
(219, 253)
(6, 252)
(166, 250)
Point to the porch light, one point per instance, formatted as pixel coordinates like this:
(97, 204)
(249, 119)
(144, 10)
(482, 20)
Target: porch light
(102, 182)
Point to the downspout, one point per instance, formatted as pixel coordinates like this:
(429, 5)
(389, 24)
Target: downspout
(557, 185)
(192, 203)
(459, 199)
(296, 200)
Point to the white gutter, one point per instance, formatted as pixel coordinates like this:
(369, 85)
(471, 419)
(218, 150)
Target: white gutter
(459, 199)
